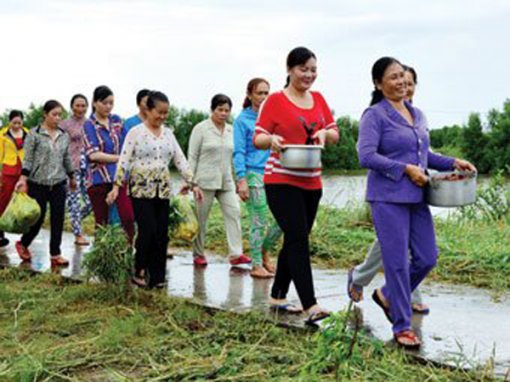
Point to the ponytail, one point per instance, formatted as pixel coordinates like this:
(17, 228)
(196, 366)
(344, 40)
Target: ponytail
(377, 96)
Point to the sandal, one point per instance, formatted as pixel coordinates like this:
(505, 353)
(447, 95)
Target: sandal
(286, 308)
(139, 282)
(407, 339)
(317, 316)
(379, 301)
(420, 309)
(23, 251)
(59, 261)
(354, 291)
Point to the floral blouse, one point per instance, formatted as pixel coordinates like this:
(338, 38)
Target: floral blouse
(145, 161)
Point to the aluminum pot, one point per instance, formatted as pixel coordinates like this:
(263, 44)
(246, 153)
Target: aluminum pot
(301, 156)
(451, 189)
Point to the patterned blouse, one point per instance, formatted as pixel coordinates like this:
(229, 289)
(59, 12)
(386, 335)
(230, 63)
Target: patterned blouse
(74, 127)
(145, 161)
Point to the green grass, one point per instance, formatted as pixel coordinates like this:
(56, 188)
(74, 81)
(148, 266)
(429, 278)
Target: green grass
(53, 330)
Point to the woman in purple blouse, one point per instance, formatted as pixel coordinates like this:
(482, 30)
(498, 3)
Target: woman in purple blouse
(78, 202)
(393, 144)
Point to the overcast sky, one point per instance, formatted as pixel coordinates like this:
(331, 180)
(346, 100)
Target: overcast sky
(193, 49)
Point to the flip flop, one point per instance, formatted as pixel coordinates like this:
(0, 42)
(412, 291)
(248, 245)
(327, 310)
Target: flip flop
(286, 308)
(409, 335)
(420, 311)
(351, 286)
(316, 317)
(378, 301)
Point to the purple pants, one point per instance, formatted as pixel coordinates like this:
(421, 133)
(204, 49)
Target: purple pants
(400, 228)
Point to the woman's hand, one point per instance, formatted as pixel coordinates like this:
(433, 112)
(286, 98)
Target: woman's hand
(243, 189)
(464, 165)
(21, 184)
(276, 143)
(198, 194)
(320, 136)
(417, 175)
(112, 195)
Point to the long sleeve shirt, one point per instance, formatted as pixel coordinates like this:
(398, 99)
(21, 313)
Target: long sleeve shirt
(387, 143)
(47, 162)
(145, 160)
(246, 156)
(74, 127)
(210, 156)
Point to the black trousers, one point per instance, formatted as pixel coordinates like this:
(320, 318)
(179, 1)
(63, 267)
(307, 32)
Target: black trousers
(151, 217)
(56, 196)
(294, 209)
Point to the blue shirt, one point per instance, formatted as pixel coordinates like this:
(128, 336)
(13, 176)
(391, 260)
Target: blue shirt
(131, 122)
(386, 144)
(246, 156)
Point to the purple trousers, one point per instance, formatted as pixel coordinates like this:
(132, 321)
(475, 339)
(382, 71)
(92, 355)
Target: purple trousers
(400, 228)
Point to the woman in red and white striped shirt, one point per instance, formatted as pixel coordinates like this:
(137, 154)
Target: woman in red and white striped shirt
(295, 115)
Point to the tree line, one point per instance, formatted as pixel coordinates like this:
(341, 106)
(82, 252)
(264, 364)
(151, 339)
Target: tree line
(488, 146)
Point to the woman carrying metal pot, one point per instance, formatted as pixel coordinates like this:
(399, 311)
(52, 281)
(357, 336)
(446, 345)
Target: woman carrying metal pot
(393, 144)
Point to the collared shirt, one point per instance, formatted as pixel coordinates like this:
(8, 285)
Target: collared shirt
(387, 143)
(146, 158)
(104, 139)
(210, 156)
(74, 127)
(47, 161)
(11, 151)
(131, 122)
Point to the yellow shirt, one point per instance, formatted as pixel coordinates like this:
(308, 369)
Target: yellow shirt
(9, 153)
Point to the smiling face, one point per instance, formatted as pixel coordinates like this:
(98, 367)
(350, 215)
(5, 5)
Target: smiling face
(393, 84)
(303, 76)
(53, 117)
(79, 108)
(16, 123)
(158, 114)
(410, 85)
(220, 114)
(104, 107)
(259, 94)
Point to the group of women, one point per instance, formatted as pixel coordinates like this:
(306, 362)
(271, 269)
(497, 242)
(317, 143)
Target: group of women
(99, 161)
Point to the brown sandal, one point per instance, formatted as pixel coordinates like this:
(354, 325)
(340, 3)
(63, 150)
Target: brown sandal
(59, 261)
(407, 339)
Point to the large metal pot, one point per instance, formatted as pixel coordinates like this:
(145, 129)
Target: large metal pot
(451, 189)
(301, 156)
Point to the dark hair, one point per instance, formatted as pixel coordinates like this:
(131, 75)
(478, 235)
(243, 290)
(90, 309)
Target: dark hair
(298, 56)
(254, 82)
(153, 97)
(142, 93)
(411, 70)
(378, 70)
(100, 94)
(15, 113)
(50, 105)
(78, 96)
(220, 99)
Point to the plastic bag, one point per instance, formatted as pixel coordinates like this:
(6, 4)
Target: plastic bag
(21, 213)
(183, 222)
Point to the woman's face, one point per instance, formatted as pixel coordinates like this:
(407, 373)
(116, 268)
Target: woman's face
(79, 108)
(393, 85)
(104, 107)
(410, 85)
(157, 115)
(53, 117)
(258, 94)
(221, 114)
(303, 76)
(16, 123)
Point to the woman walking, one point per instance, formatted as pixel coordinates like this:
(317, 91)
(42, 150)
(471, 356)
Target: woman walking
(295, 115)
(78, 202)
(103, 139)
(210, 156)
(46, 167)
(12, 138)
(393, 144)
(249, 164)
(148, 151)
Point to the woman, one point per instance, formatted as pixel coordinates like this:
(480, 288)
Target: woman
(294, 116)
(393, 144)
(249, 166)
(103, 139)
(78, 202)
(148, 151)
(46, 167)
(12, 138)
(363, 274)
(210, 158)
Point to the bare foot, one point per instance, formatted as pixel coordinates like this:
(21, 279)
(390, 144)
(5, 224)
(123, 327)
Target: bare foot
(81, 240)
(260, 272)
(266, 262)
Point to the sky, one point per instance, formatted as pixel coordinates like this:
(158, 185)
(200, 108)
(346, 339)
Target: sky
(193, 49)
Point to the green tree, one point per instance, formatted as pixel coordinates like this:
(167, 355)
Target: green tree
(474, 142)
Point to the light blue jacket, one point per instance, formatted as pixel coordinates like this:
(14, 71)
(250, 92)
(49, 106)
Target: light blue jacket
(246, 156)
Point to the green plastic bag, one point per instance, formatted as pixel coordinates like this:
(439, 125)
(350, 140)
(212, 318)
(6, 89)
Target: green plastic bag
(21, 213)
(183, 224)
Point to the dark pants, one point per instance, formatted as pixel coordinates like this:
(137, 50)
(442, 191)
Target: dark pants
(97, 195)
(294, 210)
(151, 217)
(56, 196)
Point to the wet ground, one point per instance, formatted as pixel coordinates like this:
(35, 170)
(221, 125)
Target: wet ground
(465, 326)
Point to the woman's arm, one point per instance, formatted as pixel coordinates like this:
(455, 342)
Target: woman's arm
(194, 145)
